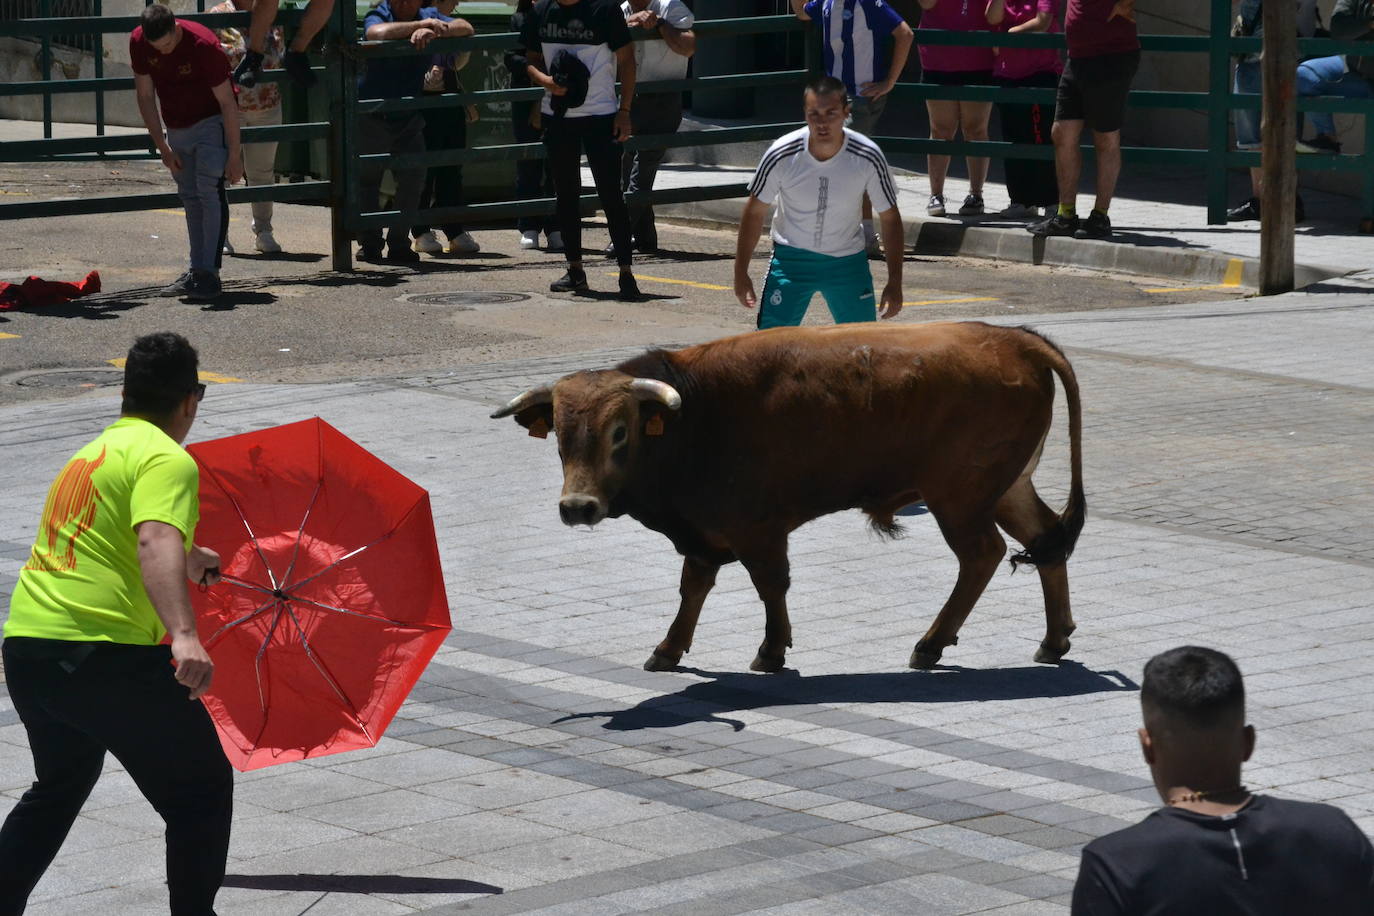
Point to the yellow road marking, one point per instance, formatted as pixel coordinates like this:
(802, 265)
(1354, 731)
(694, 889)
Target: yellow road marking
(638, 276)
(4, 336)
(1234, 269)
(949, 301)
(204, 376)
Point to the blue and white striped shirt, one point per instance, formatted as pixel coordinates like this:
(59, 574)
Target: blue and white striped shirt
(855, 42)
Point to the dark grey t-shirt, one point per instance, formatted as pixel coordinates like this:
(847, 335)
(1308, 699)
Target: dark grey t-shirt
(1271, 857)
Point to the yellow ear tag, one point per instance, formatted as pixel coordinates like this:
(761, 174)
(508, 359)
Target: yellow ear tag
(540, 428)
(654, 427)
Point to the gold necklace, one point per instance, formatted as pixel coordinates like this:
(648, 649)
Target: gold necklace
(1206, 793)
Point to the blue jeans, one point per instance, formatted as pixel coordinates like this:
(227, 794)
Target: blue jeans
(1247, 82)
(200, 185)
(1328, 76)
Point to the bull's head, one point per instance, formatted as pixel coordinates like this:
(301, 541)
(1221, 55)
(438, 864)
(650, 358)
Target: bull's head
(600, 419)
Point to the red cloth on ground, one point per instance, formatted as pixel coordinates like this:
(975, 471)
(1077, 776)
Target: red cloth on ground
(35, 291)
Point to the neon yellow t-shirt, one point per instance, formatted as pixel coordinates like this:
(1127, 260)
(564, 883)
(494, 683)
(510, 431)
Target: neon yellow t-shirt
(82, 582)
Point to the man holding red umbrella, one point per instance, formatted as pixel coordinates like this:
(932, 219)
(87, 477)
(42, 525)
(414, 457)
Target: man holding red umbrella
(83, 652)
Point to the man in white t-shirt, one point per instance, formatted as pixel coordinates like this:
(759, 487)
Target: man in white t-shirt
(661, 57)
(817, 175)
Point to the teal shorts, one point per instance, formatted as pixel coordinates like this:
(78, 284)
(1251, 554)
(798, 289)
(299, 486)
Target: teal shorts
(795, 275)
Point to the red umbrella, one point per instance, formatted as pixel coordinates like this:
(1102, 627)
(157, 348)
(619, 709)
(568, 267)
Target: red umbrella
(332, 601)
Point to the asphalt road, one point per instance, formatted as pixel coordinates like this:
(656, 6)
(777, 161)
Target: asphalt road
(289, 318)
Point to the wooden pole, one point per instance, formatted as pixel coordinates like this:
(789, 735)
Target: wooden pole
(1279, 135)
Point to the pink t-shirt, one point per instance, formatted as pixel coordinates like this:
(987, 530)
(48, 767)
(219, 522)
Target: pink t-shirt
(955, 16)
(1019, 63)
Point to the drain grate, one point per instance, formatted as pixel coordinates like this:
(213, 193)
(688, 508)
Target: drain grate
(69, 378)
(466, 298)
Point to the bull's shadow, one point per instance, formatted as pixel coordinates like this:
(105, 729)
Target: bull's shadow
(730, 691)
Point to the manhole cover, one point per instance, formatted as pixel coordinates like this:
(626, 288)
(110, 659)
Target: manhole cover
(69, 378)
(468, 298)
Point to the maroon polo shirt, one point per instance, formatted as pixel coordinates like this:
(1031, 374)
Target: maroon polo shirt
(1090, 34)
(184, 79)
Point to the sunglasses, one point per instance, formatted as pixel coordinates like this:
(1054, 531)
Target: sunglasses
(199, 391)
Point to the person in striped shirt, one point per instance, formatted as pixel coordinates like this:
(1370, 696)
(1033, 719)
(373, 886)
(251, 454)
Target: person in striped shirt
(817, 176)
(855, 48)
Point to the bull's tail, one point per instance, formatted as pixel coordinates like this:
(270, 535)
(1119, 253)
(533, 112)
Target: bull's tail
(1054, 545)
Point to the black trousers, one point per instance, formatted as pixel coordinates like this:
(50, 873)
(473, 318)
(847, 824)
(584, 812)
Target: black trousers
(653, 113)
(532, 177)
(1029, 181)
(566, 139)
(445, 128)
(124, 699)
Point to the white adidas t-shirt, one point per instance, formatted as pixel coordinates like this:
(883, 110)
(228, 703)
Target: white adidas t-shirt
(818, 202)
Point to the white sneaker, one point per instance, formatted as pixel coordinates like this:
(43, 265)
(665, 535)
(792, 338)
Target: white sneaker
(554, 241)
(228, 246)
(529, 239)
(462, 243)
(936, 207)
(266, 243)
(426, 243)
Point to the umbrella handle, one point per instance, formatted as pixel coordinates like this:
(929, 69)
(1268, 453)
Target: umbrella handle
(210, 573)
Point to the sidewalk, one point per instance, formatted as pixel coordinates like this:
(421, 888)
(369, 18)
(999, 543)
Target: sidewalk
(537, 769)
(1153, 237)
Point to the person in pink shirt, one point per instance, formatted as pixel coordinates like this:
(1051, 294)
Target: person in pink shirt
(948, 65)
(1030, 182)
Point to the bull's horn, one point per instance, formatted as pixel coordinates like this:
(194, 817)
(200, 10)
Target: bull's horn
(532, 398)
(647, 389)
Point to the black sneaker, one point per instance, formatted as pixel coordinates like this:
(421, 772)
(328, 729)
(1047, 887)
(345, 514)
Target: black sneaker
(178, 287)
(1054, 225)
(249, 69)
(973, 206)
(574, 281)
(1248, 210)
(203, 287)
(1096, 226)
(370, 255)
(402, 254)
(1325, 143)
(629, 289)
(297, 66)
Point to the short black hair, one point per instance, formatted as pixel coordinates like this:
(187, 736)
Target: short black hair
(159, 372)
(1201, 687)
(158, 21)
(826, 85)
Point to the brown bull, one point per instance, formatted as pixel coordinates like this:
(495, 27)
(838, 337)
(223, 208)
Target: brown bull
(729, 446)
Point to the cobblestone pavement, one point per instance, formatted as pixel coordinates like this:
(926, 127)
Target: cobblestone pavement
(537, 768)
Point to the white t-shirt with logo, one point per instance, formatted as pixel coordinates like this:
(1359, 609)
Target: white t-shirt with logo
(654, 60)
(818, 202)
(593, 30)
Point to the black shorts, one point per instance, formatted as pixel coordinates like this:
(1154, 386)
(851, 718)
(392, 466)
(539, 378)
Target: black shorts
(957, 77)
(1094, 89)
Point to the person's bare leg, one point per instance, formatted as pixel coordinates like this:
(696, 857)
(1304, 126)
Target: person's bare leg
(973, 122)
(1108, 147)
(944, 121)
(1257, 183)
(1068, 160)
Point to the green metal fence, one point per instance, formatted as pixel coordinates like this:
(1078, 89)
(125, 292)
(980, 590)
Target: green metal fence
(344, 54)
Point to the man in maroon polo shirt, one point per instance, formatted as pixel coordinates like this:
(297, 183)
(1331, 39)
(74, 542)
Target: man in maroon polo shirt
(1104, 53)
(180, 66)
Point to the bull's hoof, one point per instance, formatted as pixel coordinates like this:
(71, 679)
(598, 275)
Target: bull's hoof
(768, 664)
(1048, 655)
(926, 656)
(660, 662)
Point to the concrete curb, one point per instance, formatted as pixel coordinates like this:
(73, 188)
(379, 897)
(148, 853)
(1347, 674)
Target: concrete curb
(1133, 253)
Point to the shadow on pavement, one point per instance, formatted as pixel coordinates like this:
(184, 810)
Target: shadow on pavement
(302, 257)
(361, 884)
(728, 691)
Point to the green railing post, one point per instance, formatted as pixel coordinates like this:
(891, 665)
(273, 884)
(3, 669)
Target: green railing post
(99, 74)
(811, 45)
(1367, 217)
(1218, 110)
(343, 109)
(45, 10)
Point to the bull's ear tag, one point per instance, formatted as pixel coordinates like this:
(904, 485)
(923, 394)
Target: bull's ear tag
(540, 428)
(654, 426)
